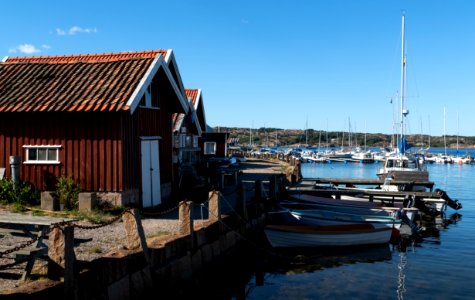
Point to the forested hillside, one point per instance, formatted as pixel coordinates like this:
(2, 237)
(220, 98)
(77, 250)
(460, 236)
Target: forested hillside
(291, 137)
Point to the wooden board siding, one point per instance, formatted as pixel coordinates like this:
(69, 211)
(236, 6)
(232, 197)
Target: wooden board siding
(101, 151)
(90, 154)
(151, 122)
(166, 147)
(220, 138)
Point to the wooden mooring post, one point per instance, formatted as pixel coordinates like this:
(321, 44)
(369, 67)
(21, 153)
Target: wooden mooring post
(242, 204)
(214, 206)
(185, 220)
(62, 259)
(134, 232)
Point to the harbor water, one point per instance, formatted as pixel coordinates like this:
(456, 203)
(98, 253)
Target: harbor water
(440, 265)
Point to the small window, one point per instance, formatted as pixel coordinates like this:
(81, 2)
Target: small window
(189, 141)
(195, 141)
(42, 154)
(209, 148)
(148, 96)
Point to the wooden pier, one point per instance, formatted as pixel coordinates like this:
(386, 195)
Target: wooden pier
(352, 182)
(339, 188)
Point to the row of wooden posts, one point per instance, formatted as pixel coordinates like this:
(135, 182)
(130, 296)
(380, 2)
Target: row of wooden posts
(61, 262)
(61, 256)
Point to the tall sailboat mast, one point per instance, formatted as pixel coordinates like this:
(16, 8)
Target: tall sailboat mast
(404, 111)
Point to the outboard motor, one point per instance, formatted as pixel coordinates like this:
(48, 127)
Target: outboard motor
(408, 201)
(452, 203)
(400, 214)
(430, 211)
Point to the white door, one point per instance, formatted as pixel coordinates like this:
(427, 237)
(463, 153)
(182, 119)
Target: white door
(150, 174)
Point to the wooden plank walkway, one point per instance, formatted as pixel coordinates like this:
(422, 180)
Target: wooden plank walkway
(310, 186)
(364, 192)
(351, 182)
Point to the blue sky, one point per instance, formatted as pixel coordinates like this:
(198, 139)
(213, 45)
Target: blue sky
(290, 64)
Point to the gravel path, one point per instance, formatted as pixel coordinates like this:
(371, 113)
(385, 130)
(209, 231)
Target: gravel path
(96, 243)
(90, 244)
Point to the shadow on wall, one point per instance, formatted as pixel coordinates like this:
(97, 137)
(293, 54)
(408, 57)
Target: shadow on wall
(49, 181)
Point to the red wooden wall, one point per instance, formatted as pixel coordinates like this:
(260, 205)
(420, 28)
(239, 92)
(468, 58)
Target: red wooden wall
(101, 151)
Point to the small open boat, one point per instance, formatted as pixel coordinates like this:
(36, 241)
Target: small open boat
(352, 234)
(355, 205)
(332, 217)
(301, 205)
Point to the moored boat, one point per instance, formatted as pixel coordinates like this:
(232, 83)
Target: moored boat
(333, 217)
(403, 165)
(362, 208)
(353, 234)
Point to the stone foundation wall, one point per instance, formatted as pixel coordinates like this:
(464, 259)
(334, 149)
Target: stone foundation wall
(116, 199)
(127, 274)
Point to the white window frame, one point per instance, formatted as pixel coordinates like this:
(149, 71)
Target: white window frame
(148, 96)
(29, 148)
(207, 146)
(148, 99)
(195, 141)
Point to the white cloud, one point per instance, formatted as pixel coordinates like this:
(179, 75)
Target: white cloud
(74, 30)
(59, 31)
(25, 48)
(46, 47)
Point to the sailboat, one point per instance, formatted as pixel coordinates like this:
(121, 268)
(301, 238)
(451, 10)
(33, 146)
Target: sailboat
(460, 159)
(443, 158)
(402, 165)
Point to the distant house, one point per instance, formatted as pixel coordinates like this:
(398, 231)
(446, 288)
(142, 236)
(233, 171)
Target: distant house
(188, 128)
(215, 144)
(188, 155)
(101, 119)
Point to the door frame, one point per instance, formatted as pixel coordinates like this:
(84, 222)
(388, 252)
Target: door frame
(150, 171)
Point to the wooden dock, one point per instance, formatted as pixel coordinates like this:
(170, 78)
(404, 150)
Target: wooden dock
(339, 188)
(352, 182)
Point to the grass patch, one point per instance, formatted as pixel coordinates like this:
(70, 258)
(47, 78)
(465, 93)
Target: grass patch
(38, 213)
(157, 234)
(95, 250)
(97, 216)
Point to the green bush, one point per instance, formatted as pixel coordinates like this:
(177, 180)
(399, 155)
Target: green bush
(68, 192)
(27, 194)
(6, 190)
(23, 195)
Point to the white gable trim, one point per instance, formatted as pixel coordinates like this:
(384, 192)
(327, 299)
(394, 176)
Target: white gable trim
(181, 95)
(197, 122)
(199, 101)
(170, 60)
(141, 88)
(167, 57)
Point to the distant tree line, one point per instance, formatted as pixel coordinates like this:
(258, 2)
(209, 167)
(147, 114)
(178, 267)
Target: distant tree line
(290, 137)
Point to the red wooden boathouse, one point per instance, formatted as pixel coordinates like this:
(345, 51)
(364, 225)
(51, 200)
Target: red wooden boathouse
(103, 119)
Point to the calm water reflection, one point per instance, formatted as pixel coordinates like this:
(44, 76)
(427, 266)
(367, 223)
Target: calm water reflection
(439, 265)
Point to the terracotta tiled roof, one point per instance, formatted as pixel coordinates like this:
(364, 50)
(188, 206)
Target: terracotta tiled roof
(75, 58)
(94, 82)
(192, 95)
